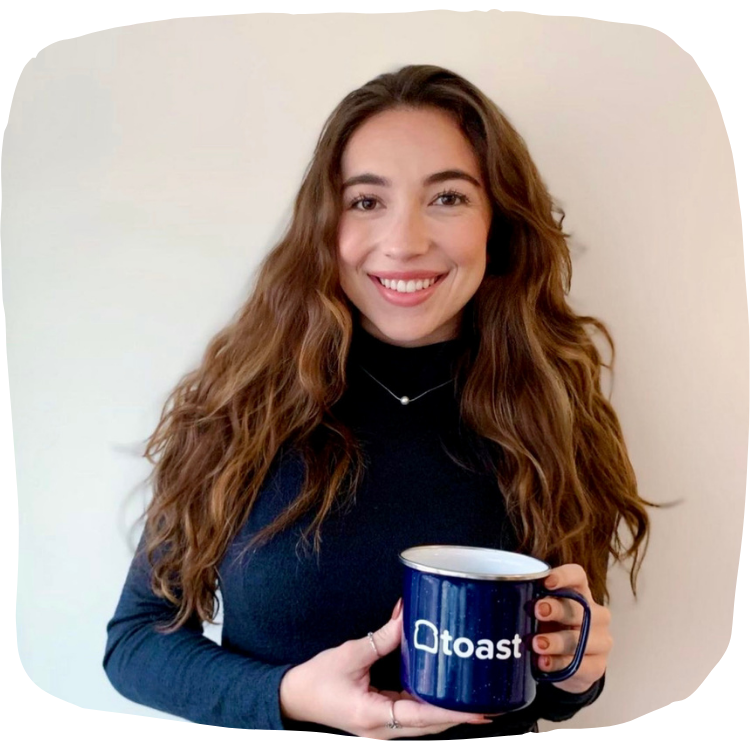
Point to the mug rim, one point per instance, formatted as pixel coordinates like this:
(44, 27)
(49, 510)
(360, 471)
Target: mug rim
(473, 576)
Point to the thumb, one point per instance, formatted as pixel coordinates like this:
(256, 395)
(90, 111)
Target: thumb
(385, 639)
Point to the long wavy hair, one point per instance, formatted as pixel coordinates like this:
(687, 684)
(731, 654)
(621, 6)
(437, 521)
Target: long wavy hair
(528, 381)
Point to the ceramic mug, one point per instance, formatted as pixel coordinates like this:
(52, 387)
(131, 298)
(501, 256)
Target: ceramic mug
(469, 623)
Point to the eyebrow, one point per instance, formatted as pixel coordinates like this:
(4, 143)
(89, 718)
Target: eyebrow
(447, 174)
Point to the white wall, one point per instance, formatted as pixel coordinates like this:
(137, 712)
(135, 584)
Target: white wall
(146, 171)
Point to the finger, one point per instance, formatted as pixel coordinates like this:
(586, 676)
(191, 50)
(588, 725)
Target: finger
(565, 642)
(569, 576)
(591, 669)
(384, 640)
(409, 697)
(379, 713)
(413, 713)
(569, 612)
(404, 731)
(415, 717)
(564, 611)
(392, 695)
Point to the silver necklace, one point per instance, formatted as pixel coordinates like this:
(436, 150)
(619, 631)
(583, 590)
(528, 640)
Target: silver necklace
(405, 399)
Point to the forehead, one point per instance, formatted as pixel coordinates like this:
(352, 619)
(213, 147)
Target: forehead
(425, 139)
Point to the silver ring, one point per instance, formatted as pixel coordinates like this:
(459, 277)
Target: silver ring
(372, 643)
(393, 724)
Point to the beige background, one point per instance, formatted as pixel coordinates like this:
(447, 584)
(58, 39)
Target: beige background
(146, 170)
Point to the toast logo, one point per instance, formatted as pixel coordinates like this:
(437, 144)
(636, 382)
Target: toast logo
(426, 638)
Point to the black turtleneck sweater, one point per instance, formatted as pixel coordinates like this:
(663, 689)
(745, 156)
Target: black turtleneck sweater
(282, 606)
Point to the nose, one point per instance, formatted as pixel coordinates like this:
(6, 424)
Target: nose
(408, 236)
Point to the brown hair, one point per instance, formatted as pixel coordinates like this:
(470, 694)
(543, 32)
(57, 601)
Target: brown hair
(529, 376)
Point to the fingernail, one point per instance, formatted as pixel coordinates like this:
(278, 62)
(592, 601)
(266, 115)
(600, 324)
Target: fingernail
(542, 643)
(480, 721)
(551, 582)
(397, 609)
(544, 609)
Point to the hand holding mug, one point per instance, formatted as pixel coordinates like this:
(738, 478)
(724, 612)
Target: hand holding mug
(333, 689)
(560, 625)
(470, 627)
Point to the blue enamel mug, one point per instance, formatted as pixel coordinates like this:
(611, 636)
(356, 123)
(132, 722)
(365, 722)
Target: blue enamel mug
(468, 626)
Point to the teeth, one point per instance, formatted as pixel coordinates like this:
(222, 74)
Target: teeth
(413, 285)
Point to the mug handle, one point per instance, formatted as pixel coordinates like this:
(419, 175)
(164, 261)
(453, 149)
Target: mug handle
(572, 668)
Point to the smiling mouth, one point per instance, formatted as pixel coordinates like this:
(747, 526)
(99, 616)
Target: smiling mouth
(408, 287)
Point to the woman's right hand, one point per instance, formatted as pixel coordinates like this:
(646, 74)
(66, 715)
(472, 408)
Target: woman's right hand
(333, 689)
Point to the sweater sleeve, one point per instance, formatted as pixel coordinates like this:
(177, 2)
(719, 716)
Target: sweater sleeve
(555, 704)
(185, 673)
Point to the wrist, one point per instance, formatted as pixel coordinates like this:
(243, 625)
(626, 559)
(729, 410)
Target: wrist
(290, 706)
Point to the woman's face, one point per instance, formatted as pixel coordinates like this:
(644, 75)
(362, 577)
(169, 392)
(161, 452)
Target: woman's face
(414, 210)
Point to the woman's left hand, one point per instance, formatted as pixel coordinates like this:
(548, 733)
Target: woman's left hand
(560, 625)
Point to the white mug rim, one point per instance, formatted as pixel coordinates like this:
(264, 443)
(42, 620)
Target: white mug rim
(447, 571)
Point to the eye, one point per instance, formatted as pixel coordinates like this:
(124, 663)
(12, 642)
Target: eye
(362, 199)
(453, 194)
(361, 202)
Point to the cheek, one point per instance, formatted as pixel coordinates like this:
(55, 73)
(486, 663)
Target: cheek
(469, 248)
(350, 245)
(348, 262)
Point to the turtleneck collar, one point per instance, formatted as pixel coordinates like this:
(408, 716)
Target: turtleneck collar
(404, 370)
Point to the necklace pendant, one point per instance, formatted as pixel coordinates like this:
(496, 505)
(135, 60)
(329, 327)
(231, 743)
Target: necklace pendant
(404, 400)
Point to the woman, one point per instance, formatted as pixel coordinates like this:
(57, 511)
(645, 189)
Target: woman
(406, 371)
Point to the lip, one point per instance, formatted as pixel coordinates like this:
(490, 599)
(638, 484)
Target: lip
(407, 299)
(407, 275)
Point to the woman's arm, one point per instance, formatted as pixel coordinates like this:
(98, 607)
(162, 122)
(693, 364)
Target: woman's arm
(188, 675)
(185, 673)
